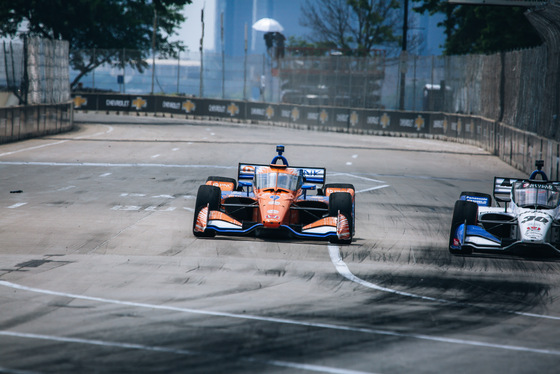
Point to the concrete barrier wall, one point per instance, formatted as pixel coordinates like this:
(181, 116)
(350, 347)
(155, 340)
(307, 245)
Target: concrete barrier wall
(519, 148)
(22, 122)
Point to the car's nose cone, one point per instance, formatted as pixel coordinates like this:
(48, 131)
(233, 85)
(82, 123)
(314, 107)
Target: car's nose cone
(273, 209)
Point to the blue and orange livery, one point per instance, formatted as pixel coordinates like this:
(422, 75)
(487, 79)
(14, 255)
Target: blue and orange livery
(276, 199)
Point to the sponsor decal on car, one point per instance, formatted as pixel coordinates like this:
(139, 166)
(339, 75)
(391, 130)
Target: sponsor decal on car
(201, 220)
(342, 227)
(224, 186)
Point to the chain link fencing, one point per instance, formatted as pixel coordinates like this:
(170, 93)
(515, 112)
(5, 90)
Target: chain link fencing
(508, 87)
(212, 76)
(36, 71)
(12, 64)
(48, 71)
(518, 88)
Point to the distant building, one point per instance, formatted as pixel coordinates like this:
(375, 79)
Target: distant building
(433, 36)
(238, 13)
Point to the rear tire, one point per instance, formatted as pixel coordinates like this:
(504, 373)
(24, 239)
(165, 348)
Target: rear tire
(207, 195)
(463, 212)
(342, 201)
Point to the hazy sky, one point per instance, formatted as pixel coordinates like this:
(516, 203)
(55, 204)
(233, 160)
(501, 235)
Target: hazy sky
(192, 28)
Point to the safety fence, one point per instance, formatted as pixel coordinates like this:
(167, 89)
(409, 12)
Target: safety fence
(36, 71)
(508, 87)
(47, 71)
(23, 122)
(517, 147)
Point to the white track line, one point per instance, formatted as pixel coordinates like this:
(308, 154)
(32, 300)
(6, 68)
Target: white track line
(103, 343)
(359, 177)
(32, 148)
(373, 188)
(439, 339)
(342, 268)
(103, 164)
(56, 143)
(15, 206)
(107, 164)
(366, 179)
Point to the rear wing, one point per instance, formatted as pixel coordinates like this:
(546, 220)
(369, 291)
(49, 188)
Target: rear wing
(502, 188)
(317, 176)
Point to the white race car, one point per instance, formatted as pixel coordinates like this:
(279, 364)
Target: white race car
(528, 221)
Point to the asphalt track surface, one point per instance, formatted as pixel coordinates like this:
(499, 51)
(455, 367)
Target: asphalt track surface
(100, 272)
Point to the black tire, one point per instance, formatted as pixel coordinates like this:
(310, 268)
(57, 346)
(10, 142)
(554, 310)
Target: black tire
(478, 194)
(207, 195)
(463, 212)
(223, 179)
(342, 201)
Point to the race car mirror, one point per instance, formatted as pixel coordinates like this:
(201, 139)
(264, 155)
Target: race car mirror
(244, 184)
(307, 187)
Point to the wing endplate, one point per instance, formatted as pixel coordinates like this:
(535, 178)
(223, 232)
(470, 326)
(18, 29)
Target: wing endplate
(502, 188)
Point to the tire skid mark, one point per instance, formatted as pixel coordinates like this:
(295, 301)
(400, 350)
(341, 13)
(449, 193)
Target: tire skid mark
(432, 338)
(184, 352)
(342, 269)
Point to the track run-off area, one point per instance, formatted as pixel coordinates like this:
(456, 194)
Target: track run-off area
(100, 271)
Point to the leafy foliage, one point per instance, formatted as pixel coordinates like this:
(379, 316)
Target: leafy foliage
(98, 30)
(482, 28)
(355, 27)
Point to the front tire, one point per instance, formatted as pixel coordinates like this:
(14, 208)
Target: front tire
(207, 196)
(464, 212)
(342, 201)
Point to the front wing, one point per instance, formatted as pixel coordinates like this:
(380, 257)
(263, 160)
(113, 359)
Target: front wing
(475, 238)
(222, 223)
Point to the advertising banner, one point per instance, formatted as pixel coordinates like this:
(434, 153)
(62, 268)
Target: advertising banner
(313, 116)
(114, 103)
(176, 105)
(379, 120)
(288, 113)
(85, 101)
(411, 122)
(262, 112)
(438, 123)
(345, 118)
(142, 103)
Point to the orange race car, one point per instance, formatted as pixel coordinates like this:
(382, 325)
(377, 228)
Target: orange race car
(275, 199)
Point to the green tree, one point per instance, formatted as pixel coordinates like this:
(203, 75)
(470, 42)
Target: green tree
(98, 30)
(355, 27)
(482, 28)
